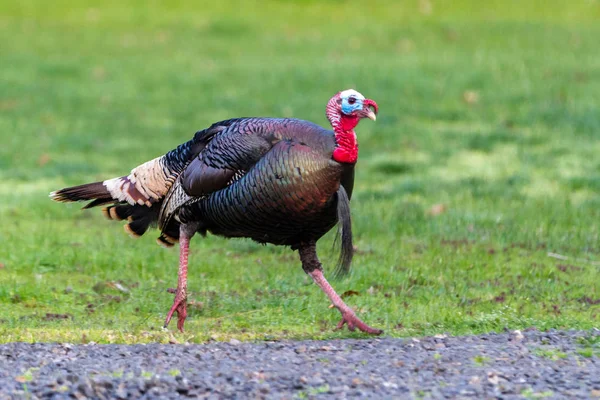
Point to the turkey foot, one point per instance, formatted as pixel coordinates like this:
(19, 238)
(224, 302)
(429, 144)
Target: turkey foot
(180, 302)
(354, 322)
(348, 316)
(312, 266)
(179, 305)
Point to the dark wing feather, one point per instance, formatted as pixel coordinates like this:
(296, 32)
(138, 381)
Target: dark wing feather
(226, 158)
(200, 179)
(138, 196)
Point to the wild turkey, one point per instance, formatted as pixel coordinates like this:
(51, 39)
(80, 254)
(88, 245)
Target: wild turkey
(280, 181)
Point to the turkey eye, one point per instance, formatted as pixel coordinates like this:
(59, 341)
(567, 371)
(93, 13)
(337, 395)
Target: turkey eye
(351, 100)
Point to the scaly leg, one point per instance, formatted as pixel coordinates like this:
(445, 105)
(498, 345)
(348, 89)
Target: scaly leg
(312, 266)
(180, 303)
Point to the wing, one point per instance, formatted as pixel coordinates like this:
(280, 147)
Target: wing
(137, 197)
(224, 160)
(150, 182)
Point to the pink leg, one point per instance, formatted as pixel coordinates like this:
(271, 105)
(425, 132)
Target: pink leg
(312, 266)
(348, 316)
(180, 303)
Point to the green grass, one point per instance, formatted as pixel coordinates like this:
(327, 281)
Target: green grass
(589, 346)
(530, 394)
(489, 117)
(481, 360)
(550, 353)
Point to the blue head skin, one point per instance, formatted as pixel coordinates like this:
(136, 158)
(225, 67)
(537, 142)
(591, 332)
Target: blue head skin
(351, 101)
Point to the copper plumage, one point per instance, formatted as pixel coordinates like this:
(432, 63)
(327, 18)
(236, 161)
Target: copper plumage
(273, 180)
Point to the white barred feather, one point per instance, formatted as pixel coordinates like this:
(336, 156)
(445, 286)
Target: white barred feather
(150, 180)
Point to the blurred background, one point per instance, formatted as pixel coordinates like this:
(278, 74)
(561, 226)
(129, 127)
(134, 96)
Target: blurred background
(483, 160)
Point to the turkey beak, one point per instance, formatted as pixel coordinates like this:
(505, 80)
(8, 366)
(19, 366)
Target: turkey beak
(370, 109)
(371, 115)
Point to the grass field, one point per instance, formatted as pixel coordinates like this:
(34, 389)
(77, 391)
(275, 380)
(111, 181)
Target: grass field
(483, 160)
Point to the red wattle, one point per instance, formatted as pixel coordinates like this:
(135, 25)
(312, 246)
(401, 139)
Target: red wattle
(348, 122)
(345, 156)
(347, 148)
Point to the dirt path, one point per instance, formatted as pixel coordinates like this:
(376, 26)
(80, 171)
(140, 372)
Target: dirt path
(508, 365)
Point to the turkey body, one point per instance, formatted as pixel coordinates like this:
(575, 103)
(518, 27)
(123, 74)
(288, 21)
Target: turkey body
(274, 180)
(279, 182)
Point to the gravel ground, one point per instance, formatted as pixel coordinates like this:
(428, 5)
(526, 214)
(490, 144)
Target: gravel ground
(531, 364)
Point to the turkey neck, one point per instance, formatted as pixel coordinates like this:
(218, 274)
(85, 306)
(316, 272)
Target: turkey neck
(346, 150)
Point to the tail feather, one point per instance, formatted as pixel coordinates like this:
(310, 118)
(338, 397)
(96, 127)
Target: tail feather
(90, 191)
(140, 217)
(97, 202)
(139, 196)
(344, 233)
(138, 227)
(170, 234)
(166, 241)
(119, 212)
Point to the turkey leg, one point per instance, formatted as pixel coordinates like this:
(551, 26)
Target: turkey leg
(180, 302)
(312, 266)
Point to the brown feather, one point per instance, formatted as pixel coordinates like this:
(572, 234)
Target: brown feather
(89, 191)
(130, 231)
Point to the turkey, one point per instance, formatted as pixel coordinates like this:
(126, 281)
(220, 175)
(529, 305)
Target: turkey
(275, 180)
